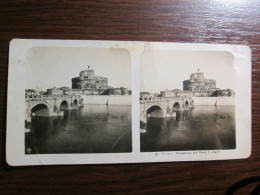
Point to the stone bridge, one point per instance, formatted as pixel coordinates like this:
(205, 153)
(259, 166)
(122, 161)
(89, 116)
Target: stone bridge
(162, 107)
(50, 105)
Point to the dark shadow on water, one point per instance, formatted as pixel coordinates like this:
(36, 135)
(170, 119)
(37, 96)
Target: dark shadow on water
(201, 128)
(92, 129)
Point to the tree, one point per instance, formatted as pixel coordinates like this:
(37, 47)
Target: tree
(229, 92)
(106, 92)
(216, 93)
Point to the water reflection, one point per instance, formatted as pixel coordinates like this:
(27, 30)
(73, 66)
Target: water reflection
(200, 128)
(92, 129)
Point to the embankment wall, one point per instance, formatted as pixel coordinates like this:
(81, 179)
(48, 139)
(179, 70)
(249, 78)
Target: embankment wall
(111, 99)
(211, 101)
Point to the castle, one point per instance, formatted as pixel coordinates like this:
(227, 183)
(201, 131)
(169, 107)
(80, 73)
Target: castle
(88, 80)
(197, 83)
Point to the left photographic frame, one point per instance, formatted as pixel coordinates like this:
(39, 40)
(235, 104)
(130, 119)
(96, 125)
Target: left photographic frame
(77, 100)
(72, 99)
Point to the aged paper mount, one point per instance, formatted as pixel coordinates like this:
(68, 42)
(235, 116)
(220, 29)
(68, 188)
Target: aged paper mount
(95, 102)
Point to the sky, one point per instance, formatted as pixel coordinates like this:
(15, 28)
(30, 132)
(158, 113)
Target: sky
(162, 70)
(47, 67)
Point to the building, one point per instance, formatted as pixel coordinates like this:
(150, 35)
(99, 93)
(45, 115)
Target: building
(197, 83)
(166, 93)
(124, 91)
(119, 91)
(171, 93)
(115, 91)
(147, 95)
(55, 91)
(88, 80)
(29, 93)
(223, 92)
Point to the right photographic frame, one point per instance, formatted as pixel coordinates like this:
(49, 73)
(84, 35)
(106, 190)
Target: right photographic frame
(188, 100)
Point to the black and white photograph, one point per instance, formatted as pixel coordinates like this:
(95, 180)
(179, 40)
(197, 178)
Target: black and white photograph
(187, 101)
(77, 100)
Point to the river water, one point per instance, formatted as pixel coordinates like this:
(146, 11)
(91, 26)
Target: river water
(199, 128)
(91, 129)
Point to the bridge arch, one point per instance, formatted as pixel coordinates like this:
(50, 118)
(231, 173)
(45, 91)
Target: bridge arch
(40, 109)
(186, 104)
(81, 101)
(75, 102)
(176, 106)
(64, 105)
(155, 111)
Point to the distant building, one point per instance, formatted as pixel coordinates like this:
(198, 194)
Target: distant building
(223, 92)
(115, 91)
(32, 93)
(178, 92)
(55, 91)
(147, 95)
(124, 91)
(88, 80)
(119, 91)
(65, 88)
(171, 93)
(227, 92)
(197, 83)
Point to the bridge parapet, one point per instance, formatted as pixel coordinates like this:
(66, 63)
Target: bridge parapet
(157, 99)
(49, 97)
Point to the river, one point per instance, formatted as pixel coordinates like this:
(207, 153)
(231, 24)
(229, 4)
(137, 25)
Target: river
(199, 128)
(91, 129)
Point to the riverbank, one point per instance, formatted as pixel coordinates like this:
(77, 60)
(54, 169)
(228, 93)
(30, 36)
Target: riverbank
(127, 100)
(107, 99)
(212, 101)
